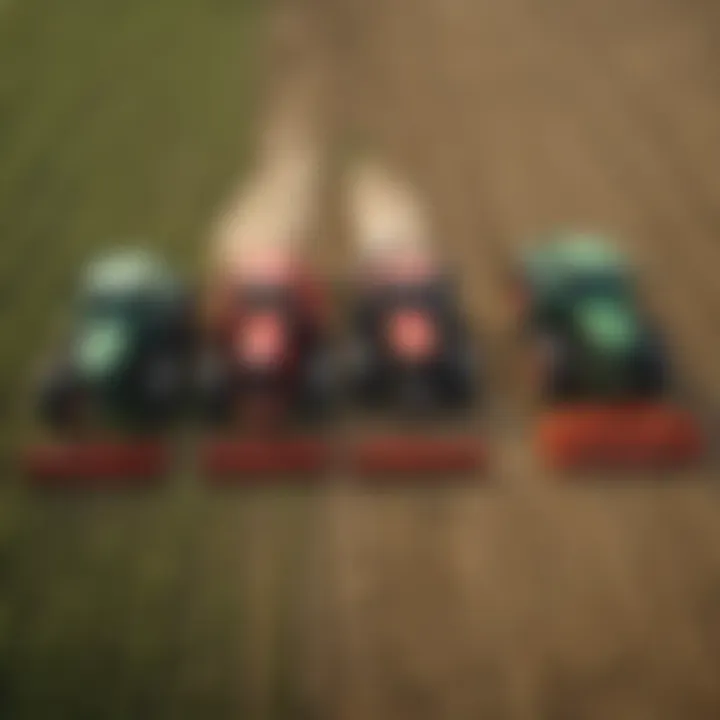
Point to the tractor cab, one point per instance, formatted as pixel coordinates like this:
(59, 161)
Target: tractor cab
(584, 304)
(408, 321)
(412, 325)
(598, 300)
(582, 287)
(604, 318)
(407, 308)
(120, 310)
(599, 285)
(273, 311)
(265, 330)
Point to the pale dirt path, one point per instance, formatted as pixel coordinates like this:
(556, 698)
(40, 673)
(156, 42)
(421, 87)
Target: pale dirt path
(529, 599)
(279, 203)
(384, 214)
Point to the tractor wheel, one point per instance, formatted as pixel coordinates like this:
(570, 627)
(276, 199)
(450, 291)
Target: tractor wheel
(652, 374)
(163, 388)
(58, 395)
(365, 377)
(215, 392)
(551, 369)
(318, 385)
(459, 377)
(417, 393)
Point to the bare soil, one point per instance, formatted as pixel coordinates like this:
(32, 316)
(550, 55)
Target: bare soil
(524, 596)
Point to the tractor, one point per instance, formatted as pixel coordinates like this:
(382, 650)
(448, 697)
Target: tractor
(598, 361)
(590, 337)
(412, 358)
(265, 372)
(122, 369)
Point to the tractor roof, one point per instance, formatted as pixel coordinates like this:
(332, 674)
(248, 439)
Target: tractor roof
(572, 253)
(587, 252)
(126, 271)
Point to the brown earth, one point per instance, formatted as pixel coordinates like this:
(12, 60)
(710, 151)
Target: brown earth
(522, 596)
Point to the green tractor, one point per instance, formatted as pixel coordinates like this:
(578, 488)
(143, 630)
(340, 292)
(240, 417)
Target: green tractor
(591, 340)
(598, 361)
(126, 360)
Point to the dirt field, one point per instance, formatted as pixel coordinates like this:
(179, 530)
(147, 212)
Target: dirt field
(519, 597)
(526, 598)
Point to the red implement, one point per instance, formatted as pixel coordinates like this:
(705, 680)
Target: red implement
(631, 436)
(411, 455)
(238, 461)
(97, 464)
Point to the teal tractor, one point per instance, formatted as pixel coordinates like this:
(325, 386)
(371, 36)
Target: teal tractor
(125, 362)
(591, 339)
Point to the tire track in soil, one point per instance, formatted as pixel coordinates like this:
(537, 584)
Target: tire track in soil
(539, 600)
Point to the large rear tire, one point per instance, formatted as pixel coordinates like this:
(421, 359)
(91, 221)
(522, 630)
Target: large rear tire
(652, 377)
(460, 385)
(553, 369)
(214, 390)
(318, 385)
(366, 380)
(164, 388)
(57, 395)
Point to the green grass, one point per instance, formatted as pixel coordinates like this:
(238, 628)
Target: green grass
(122, 119)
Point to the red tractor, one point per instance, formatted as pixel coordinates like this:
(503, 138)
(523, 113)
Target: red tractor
(266, 368)
(413, 357)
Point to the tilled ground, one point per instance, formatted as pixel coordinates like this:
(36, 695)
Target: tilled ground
(524, 597)
(517, 597)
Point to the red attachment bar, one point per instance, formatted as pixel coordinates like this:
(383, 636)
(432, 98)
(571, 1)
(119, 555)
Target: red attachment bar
(236, 460)
(643, 435)
(419, 455)
(88, 465)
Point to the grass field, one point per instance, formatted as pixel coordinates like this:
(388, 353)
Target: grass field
(122, 120)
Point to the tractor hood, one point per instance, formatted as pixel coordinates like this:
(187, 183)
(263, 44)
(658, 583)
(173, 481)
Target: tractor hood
(608, 326)
(102, 349)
